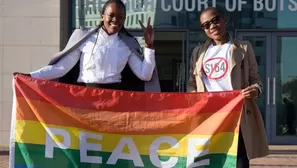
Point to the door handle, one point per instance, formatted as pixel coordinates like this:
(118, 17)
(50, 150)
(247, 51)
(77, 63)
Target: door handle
(268, 90)
(274, 91)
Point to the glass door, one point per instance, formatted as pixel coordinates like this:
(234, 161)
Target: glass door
(284, 87)
(276, 54)
(171, 49)
(261, 42)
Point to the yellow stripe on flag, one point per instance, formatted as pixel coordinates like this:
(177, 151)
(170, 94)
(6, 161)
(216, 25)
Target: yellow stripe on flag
(33, 132)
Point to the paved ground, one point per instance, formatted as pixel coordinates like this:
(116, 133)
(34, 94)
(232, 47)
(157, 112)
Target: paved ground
(3, 157)
(281, 157)
(276, 161)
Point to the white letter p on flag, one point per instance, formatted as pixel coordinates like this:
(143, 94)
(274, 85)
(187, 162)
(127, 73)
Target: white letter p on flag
(51, 144)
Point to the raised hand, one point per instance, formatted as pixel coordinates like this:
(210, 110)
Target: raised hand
(148, 33)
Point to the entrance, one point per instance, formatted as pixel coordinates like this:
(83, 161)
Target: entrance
(171, 57)
(276, 55)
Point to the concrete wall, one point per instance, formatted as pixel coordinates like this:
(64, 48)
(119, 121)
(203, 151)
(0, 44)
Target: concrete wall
(29, 36)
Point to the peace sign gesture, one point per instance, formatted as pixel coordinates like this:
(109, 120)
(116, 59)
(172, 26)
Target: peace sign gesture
(148, 33)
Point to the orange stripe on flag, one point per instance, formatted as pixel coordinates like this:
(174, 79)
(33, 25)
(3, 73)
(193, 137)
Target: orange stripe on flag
(129, 122)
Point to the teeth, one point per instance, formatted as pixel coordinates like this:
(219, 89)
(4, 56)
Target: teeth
(214, 31)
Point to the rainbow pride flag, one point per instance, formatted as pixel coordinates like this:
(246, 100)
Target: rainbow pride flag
(57, 125)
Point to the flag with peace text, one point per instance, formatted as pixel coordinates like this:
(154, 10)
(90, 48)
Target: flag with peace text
(57, 125)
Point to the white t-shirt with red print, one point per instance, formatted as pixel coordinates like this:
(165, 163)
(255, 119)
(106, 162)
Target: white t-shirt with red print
(216, 68)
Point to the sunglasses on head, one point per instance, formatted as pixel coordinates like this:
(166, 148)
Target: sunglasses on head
(214, 20)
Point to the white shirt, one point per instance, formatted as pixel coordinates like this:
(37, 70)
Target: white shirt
(216, 69)
(110, 56)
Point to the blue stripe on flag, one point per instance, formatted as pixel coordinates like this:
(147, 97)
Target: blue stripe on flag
(21, 166)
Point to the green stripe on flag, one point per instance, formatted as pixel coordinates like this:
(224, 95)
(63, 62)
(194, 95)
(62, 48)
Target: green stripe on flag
(34, 156)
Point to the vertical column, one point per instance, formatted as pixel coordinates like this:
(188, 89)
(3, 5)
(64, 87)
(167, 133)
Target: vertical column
(29, 36)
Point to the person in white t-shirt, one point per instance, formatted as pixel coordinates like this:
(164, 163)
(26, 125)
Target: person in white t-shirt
(223, 63)
(97, 57)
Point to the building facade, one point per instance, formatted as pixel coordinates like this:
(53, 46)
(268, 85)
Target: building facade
(31, 34)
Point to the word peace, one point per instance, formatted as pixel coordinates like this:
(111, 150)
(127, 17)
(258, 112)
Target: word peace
(215, 68)
(86, 141)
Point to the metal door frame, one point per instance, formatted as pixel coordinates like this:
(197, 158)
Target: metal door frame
(267, 91)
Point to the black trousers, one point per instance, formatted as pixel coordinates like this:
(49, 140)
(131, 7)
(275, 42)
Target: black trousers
(114, 86)
(242, 159)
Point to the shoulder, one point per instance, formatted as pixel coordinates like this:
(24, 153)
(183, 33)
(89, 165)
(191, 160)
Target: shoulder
(82, 31)
(196, 49)
(79, 31)
(85, 29)
(244, 44)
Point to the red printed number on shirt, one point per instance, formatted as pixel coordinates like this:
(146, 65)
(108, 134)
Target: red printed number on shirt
(215, 68)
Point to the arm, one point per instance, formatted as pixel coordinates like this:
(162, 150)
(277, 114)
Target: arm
(254, 77)
(192, 87)
(143, 69)
(59, 69)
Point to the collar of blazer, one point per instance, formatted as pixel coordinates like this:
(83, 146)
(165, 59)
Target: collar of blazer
(79, 36)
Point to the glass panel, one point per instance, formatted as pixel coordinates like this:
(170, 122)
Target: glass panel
(170, 58)
(286, 86)
(259, 44)
(176, 14)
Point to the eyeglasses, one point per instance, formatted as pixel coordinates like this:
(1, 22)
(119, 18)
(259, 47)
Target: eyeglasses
(215, 20)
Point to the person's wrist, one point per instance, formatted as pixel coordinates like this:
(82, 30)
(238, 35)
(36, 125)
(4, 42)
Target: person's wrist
(258, 92)
(149, 45)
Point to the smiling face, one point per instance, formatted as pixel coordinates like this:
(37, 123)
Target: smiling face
(213, 24)
(113, 18)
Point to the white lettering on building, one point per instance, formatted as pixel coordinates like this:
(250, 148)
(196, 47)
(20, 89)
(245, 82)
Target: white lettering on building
(258, 5)
(230, 6)
(202, 2)
(95, 6)
(293, 5)
(240, 4)
(177, 5)
(164, 7)
(270, 5)
(148, 3)
(274, 5)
